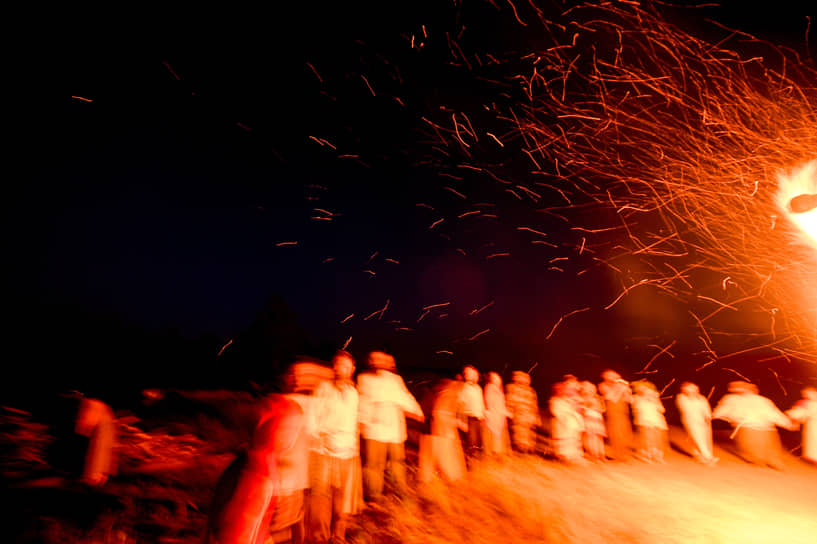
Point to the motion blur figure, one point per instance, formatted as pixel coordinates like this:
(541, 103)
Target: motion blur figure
(336, 482)
(385, 402)
(472, 406)
(300, 381)
(617, 398)
(567, 424)
(523, 405)
(696, 417)
(245, 496)
(496, 417)
(650, 421)
(755, 419)
(86, 440)
(592, 409)
(805, 413)
(441, 451)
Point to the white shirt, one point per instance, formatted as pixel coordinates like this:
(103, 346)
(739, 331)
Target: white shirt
(750, 411)
(384, 401)
(694, 408)
(649, 412)
(336, 420)
(472, 402)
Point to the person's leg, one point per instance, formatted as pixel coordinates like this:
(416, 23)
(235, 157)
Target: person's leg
(318, 507)
(375, 467)
(774, 451)
(397, 467)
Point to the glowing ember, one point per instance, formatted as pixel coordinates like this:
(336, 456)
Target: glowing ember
(669, 145)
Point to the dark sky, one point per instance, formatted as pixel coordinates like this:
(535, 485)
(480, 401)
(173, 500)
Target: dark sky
(160, 203)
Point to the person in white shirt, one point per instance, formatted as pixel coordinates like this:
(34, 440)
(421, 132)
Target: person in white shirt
(755, 419)
(472, 405)
(648, 415)
(496, 416)
(805, 413)
(335, 473)
(696, 416)
(567, 424)
(385, 402)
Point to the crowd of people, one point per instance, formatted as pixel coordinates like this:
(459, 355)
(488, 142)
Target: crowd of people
(326, 446)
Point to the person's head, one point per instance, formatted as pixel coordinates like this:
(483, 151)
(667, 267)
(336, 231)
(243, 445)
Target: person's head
(610, 376)
(520, 377)
(809, 393)
(645, 388)
(379, 360)
(495, 378)
(470, 374)
(304, 375)
(343, 364)
(689, 388)
(588, 389)
(571, 384)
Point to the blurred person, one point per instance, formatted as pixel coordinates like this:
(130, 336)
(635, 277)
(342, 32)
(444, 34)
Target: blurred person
(85, 449)
(755, 419)
(592, 409)
(472, 405)
(567, 424)
(617, 397)
(246, 493)
(299, 383)
(336, 487)
(385, 402)
(696, 417)
(650, 422)
(523, 405)
(496, 416)
(805, 413)
(441, 450)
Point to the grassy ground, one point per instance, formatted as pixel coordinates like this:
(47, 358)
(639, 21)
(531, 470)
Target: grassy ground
(536, 500)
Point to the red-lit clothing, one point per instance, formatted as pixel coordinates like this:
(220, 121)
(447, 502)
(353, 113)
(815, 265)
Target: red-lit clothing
(441, 450)
(245, 496)
(617, 397)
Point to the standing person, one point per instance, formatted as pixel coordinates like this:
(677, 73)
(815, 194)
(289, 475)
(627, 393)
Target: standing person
(385, 402)
(755, 419)
(441, 450)
(245, 496)
(473, 409)
(336, 483)
(567, 424)
(496, 416)
(523, 405)
(617, 398)
(650, 421)
(696, 416)
(592, 408)
(805, 413)
(85, 445)
(300, 382)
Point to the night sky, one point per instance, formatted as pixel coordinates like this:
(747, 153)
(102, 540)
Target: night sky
(159, 219)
